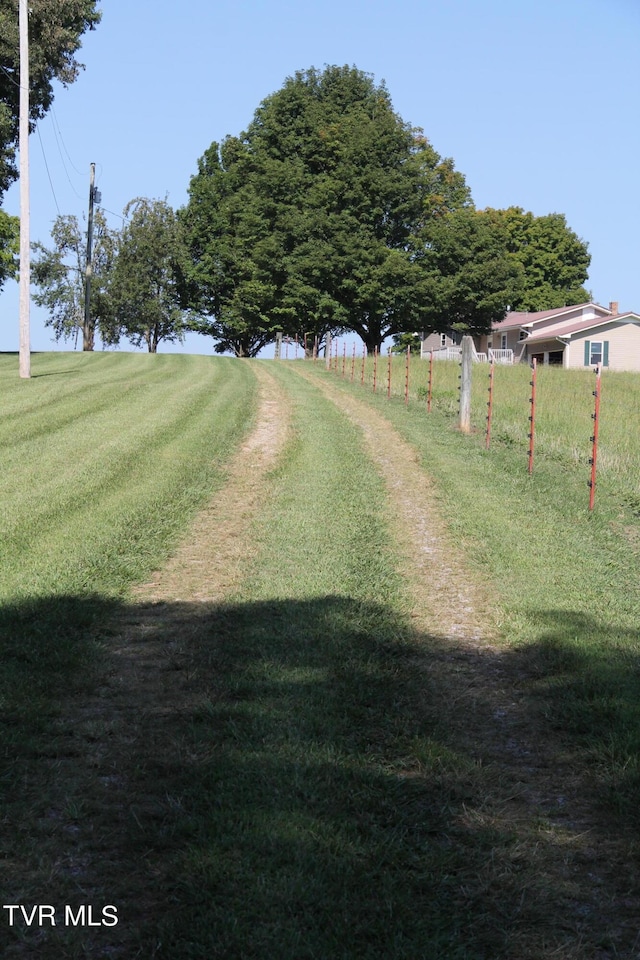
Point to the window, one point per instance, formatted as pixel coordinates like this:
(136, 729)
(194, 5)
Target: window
(523, 335)
(596, 351)
(443, 339)
(503, 341)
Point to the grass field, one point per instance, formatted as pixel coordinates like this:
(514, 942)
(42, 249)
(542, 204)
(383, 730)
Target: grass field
(104, 458)
(309, 785)
(563, 410)
(566, 583)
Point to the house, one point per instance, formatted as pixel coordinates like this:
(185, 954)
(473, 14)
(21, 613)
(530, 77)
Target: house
(573, 337)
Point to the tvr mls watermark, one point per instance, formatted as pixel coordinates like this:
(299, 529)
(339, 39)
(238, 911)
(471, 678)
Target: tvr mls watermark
(46, 915)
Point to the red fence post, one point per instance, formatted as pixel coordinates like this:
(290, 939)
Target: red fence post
(389, 373)
(364, 354)
(375, 368)
(490, 406)
(344, 356)
(430, 383)
(532, 417)
(595, 416)
(406, 380)
(353, 361)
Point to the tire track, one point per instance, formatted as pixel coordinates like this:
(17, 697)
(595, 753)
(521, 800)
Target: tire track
(210, 561)
(113, 744)
(559, 852)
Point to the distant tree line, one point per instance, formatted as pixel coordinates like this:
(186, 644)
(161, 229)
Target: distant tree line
(328, 214)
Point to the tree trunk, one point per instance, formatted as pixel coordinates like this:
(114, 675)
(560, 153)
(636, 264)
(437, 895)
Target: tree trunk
(371, 342)
(88, 336)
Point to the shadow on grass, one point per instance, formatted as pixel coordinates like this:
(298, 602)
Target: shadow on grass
(270, 780)
(56, 373)
(587, 676)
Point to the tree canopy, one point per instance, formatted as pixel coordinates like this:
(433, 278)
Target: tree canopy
(55, 31)
(554, 259)
(312, 219)
(472, 277)
(144, 282)
(59, 274)
(232, 267)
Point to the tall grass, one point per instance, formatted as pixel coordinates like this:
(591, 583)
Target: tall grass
(300, 791)
(563, 410)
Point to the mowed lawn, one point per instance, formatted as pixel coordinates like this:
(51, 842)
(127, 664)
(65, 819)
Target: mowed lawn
(104, 458)
(314, 791)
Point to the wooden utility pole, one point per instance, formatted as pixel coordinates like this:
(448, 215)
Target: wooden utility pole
(87, 333)
(23, 136)
(465, 384)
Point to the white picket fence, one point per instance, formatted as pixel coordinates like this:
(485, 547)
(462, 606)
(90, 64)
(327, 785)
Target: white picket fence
(501, 356)
(455, 353)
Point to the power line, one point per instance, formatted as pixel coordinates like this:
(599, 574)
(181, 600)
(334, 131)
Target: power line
(48, 171)
(113, 214)
(64, 166)
(10, 76)
(56, 123)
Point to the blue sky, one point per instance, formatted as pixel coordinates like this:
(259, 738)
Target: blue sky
(537, 101)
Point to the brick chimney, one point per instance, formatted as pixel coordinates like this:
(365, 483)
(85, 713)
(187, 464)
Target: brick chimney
(613, 307)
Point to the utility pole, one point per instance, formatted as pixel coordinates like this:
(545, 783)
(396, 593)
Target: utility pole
(25, 262)
(87, 336)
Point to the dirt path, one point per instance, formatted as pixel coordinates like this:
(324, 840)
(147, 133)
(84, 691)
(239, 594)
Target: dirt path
(152, 668)
(209, 563)
(112, 746)
(561, 857)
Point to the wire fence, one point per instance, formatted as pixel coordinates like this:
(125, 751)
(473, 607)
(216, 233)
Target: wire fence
(548, 411)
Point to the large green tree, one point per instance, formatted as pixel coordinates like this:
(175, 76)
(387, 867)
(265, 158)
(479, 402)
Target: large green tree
(59, 274)
(55, 31)
(235, 259)
(554, 260)
(471, 276)
(144, 283)
(312, 219)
